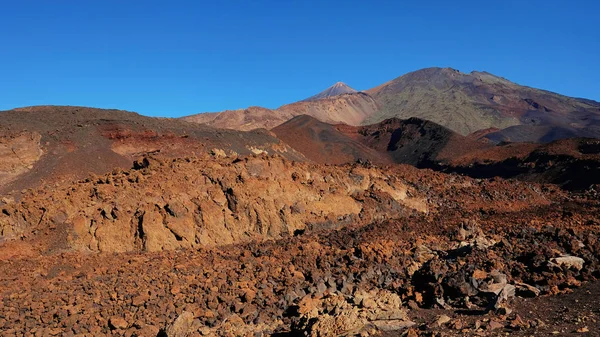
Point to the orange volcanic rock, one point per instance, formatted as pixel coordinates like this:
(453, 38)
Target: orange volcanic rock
(166, 205)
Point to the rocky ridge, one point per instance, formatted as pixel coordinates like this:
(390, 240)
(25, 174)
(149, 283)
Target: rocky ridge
(58, 144)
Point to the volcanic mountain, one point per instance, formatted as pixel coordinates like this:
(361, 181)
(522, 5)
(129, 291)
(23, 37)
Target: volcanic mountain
(337, 89)
(466, 103)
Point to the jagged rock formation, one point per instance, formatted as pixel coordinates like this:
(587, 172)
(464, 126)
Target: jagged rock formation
(165, 205)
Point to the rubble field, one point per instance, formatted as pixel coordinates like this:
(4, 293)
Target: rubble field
(453, 256)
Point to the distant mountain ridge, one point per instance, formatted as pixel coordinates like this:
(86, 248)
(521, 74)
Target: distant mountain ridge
(465, 103)
(350, 108)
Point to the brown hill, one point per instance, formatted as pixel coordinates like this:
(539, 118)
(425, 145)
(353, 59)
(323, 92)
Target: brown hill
(243, 119)
(571, 163)
(413, 141)
(54, 144)
(325, 143)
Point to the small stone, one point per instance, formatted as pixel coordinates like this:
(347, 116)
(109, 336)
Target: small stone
(418, 297)
(458, 325)
(413, 305)
(368, 303)
(182, 326)
(148, 330)
(393, 324)
(583, 329)
(139, 300)
(479, 274)
(412, 333)
(117, 322)
(569, 262)
(442, 319)
(493, 325)
(249, 295)
(526, 290)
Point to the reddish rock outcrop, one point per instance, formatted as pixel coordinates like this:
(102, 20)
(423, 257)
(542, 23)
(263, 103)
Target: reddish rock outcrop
(185, 203)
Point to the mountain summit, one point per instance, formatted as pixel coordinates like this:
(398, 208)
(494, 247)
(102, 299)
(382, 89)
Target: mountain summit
(337, 89)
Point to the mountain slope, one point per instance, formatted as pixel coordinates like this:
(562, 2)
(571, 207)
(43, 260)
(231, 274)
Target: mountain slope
(324, 143)
(416, 141)
(470, 102)
(349, 108)
(337, 89)
(242, 119)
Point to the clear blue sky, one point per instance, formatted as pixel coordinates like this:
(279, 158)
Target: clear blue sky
(173, 58)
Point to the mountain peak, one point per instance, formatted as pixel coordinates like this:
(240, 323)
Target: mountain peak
(340, 84)
(337, 89)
